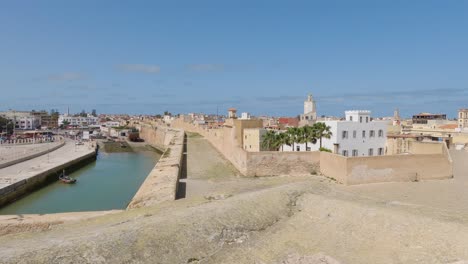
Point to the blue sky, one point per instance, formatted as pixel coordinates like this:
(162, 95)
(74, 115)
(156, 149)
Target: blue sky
(263, 57)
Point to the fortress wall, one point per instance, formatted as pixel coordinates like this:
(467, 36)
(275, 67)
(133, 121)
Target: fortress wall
(255, 163)
(273, 163)
(161, 183)
(333, 166)
(432, 161)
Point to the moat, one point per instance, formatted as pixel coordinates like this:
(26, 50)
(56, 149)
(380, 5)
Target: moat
(108, 183)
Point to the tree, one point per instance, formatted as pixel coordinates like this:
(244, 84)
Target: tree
(83, 113)
(308, 135)
(282, 139)
(270, 141)
(6, 125)
(322, 131)
(293, 136)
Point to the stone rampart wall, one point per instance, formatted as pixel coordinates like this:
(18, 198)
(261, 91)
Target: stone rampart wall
(431, 161)
(273, 163)
(391, 168)
(255, 163)
(161, 183)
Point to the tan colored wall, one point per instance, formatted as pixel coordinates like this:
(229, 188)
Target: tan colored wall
(362, 170)
(272, 163)
(162, 182)
(352, 170)
(157, 136)
(333, 166)
(416, 147)
(390, 168)
(460, 138)
(255, 164)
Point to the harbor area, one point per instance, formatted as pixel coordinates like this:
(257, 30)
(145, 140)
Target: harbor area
(105, 180)
(26, 176)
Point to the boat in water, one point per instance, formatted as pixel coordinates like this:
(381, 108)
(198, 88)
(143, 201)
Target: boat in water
(66, 179)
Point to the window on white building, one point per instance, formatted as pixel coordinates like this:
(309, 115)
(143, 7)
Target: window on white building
(345, 153)
(355, 152)
(380, 151)
(380, 133)
(360, 119)
(354, 134)
(298, 148)
(345, 134)
(350, 118)
(372, 133)
(371, 152)
(363, 134)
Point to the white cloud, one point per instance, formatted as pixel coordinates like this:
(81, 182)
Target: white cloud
(144, 68)
(67, 76)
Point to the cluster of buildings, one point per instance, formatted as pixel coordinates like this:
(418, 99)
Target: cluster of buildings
(356, 134)
(30, 120)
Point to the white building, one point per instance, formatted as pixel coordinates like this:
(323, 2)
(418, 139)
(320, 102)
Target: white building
(22, 119)
(27, 122)
(358, 135)
(78, 120)
(245, 116)
(110, 124)
(310, 112)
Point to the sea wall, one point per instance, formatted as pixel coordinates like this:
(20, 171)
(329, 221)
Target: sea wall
(156, 136)
(161, 183)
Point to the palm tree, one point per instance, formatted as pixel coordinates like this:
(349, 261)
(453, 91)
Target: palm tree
(309, 135)
(294, 134)
(282, 139)
(322, 131)
(270, 141)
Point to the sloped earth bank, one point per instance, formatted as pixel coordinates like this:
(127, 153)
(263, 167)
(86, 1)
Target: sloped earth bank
(248, 220)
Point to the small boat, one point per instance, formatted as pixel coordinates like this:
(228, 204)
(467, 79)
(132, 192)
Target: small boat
(66, 179)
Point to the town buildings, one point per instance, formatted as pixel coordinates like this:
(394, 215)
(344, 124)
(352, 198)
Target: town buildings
(78, 120)
(23, 120)
(423, 118)
(357, 135)
(310, 112)
(463, 119)
(253, 139)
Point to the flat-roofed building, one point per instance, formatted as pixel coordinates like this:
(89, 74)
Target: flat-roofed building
(253, 139)
(423, 118)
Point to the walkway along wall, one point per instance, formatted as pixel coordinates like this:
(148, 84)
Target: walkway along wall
(429, 161)
(46, 149)
(162, 182)
(265, 163)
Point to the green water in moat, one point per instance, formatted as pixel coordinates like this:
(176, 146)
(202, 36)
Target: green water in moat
(108, 183)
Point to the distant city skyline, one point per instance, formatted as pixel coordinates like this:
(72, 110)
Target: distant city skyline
(259, 57)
